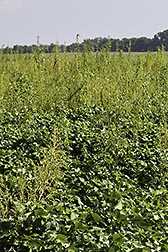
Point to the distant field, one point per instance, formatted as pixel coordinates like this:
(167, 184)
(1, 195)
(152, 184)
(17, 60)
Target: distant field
(84, 152)
(102, 78)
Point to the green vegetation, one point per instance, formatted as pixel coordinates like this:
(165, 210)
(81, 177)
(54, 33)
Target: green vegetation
(83, 152)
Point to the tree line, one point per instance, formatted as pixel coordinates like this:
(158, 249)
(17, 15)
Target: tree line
(141, 44)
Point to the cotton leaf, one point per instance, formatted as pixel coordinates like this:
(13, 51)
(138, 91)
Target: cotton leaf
(119, 206)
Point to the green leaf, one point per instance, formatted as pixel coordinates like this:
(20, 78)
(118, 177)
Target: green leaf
(72, 248)
(73, 216)
(149, 244)
(19, 207)
(41, 212)
(61, 238)
(116, 237)
(97, 217)
(119, 206)
(81, 179)
(80, 226)
(156, 217)
(84, 215)
(166, 247)
(32, 242)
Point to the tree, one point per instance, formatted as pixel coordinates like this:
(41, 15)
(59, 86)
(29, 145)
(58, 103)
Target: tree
(141, 44)
(162, 38)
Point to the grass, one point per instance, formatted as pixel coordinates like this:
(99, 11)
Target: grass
(83, 151)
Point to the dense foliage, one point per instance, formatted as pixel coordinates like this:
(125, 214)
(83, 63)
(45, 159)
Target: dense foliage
(83, 152)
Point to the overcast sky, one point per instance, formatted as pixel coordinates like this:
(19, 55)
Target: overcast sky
(21, 21)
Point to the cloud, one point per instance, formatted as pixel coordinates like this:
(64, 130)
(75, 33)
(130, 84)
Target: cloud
(11, 4)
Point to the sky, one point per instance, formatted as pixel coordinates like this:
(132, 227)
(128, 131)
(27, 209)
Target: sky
(58, 21)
